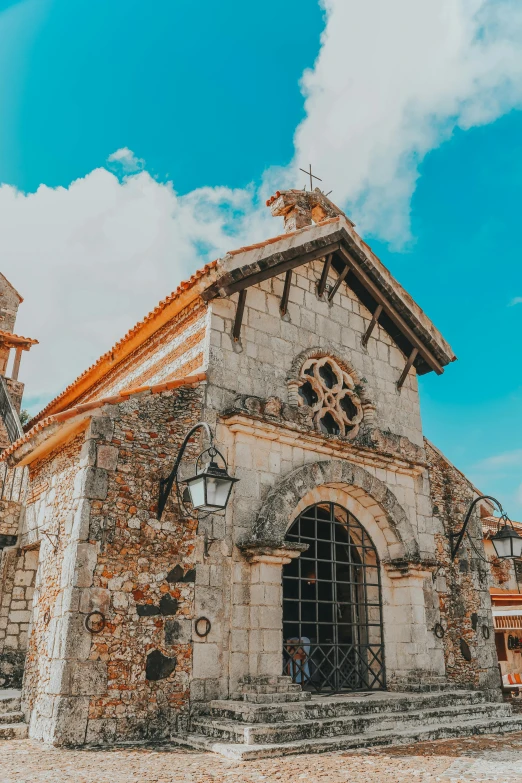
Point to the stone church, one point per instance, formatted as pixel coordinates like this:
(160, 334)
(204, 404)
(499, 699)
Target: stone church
(321, 609)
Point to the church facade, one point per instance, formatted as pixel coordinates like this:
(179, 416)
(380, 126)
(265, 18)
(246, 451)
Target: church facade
(330, 570)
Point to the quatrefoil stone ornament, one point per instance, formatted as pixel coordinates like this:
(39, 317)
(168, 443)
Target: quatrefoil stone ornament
(330, 392)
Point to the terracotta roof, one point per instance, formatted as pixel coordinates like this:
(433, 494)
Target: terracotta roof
(15, 339)
(188, 380)
(505, 596)
(139, 327)
(490, 525)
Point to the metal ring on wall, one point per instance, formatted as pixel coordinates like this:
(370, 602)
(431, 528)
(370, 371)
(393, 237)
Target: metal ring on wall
(486, 633)
(197, 626)
(92, 626)
(439, 631)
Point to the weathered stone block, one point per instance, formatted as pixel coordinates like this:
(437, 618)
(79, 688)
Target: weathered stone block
(107, 457)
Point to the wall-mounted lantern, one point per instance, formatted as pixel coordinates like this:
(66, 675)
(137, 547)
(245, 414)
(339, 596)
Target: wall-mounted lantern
(209, 488)
(506, 541)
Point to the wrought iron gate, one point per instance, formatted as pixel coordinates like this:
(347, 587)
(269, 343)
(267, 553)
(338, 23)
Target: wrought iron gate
(332, 610)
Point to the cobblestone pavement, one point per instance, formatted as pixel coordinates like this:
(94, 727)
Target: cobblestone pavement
(490, 758)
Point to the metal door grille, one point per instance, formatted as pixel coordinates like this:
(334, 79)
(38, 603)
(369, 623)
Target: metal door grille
(332, 610)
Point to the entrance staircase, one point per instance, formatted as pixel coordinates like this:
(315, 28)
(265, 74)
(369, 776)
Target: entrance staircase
(274, 717)
(12, 724)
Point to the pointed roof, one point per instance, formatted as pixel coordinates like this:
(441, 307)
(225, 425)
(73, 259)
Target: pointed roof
(238, 269)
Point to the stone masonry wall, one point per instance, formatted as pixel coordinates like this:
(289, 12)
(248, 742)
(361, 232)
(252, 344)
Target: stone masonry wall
(17, 578)
(260, 362)
(462, 586)
(96, 498)
(143, 579)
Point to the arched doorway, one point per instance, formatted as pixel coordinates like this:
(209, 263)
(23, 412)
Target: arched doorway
(332, 610)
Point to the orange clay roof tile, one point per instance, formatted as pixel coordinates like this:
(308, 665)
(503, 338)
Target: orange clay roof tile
(186, 284)
(18, 338)
(70, 413)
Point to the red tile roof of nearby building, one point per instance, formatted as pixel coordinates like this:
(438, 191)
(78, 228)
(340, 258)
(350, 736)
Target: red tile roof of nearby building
(16, 339)
(189, 380)
(505, 596)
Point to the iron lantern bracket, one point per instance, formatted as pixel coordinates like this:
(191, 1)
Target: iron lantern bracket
(166, 484)
(459, 535)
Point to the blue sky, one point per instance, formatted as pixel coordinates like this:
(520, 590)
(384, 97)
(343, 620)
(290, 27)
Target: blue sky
(420, 138)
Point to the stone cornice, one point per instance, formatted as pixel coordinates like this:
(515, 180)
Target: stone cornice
(294, 434)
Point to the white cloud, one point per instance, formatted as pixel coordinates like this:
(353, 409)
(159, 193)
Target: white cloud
(515, 301)
(127, 160)
(92, 259)
(391, 82)
(508, 459)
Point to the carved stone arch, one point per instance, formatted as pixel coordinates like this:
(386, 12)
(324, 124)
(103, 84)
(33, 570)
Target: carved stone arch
(294, 379)
(278, 509)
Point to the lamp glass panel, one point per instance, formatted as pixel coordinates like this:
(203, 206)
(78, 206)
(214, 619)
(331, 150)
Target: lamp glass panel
(197, 491)
(517, 547)
(218, 490)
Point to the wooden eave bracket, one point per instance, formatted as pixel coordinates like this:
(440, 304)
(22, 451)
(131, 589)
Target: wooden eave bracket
(264, 270)
(373, 322)
(407, 368)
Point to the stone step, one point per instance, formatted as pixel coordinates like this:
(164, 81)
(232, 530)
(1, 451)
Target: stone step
(282, 709)
(9, 731)
(270, 733)
(411, 734)
(9, 700)
(285, 687)
(273, 698)
(11, 717)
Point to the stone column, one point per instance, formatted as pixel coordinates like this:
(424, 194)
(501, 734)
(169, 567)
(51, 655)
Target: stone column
(412, 650)
(265, 633)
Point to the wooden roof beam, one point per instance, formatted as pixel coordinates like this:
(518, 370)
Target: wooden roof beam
(388, 308)
(277, 269)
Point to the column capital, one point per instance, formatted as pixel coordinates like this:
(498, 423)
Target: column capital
(400, 568)
(280, 552)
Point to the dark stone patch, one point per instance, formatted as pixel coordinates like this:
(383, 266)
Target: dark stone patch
(7, 541)
(12, 663)
(465, 651)
(474, 621)
(168, 605)
(176, 575)
(147, 610)
(190, 576)
(173, 631)
(159, 667)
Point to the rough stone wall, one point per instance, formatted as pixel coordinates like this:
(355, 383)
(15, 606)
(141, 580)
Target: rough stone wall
(175, 350)
(143, 578)
(260, 362)
(96, 498)
(462, 586)
(17, 583)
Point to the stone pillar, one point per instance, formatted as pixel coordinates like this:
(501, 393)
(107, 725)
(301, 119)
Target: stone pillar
(414, 656)
(265, 634)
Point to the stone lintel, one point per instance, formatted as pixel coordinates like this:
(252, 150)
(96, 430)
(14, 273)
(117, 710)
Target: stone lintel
(293, 435)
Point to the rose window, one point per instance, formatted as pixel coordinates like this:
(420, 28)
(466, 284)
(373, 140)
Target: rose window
(330, 392)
